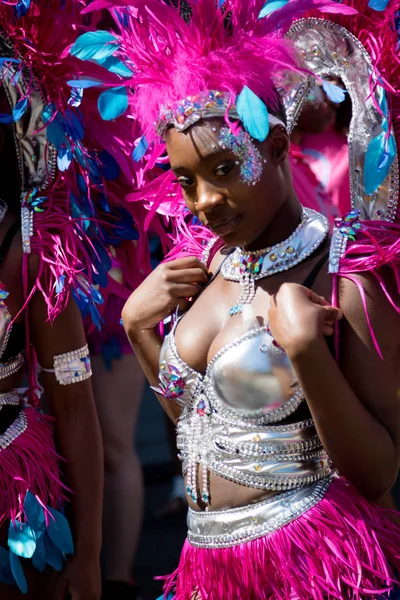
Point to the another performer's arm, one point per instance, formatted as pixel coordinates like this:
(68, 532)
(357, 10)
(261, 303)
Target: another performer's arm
(168, 287)
(78, 440)
(356, 406)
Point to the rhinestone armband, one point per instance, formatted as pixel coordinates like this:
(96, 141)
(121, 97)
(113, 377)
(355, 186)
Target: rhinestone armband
(72, 367)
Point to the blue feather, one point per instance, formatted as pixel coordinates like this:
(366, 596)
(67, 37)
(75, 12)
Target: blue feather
(21, 539)
(379, 5)
(114, 65)
(94, 45)
(109, 166)
(335, 93)
(55, 133)
(140, 149)
(22, 8)
(20, 109)
(54, 556)
(74, 125)
(55, 129)
(81, 184)
(39, 557)
(221, 3)
(271, 6)
(104, 202)
(60, 532)
(33, 509)
(18, 573)
(378, 160)
(113, 103)
(4, 118)
(64, 159)
(84, 84)
(60, 284)
(76, 97)
(6, 575)
(253, 113)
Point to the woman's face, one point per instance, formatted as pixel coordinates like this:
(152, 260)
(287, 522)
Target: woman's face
(212, 186)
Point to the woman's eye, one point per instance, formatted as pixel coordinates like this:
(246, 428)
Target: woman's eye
(185, 182)
(224, 169)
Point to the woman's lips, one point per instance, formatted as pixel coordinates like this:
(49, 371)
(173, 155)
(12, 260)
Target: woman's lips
(225, 226)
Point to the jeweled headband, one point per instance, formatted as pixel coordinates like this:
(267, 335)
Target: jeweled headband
(213, 103)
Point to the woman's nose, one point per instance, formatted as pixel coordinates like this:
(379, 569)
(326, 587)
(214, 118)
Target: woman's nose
(208, 197)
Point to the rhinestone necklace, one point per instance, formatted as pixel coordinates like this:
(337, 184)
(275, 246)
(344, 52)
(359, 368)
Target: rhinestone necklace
(248, 267)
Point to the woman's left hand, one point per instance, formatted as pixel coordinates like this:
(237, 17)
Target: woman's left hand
(80, 579)
(299, 318)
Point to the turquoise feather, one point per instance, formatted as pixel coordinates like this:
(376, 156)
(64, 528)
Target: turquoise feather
(113, 103)
(39, 557)
(253, 113)
(60, 532)
(378, 5)
(335, 93)
(271, 6)
(94, 45)
(20, 109)
(34, 512)
(83, 84)
(21, 539)
(140, 149)
(18, 573)
(114, 65)
(378, 160)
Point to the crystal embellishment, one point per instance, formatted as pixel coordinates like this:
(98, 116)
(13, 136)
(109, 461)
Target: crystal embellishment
(248, 267)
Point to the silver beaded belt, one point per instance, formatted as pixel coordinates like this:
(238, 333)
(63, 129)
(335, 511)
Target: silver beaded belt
(9, 399)
(11, 366)
(224, 528)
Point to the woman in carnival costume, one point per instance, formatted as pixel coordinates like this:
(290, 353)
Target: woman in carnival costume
(287, 408)
(58, 217)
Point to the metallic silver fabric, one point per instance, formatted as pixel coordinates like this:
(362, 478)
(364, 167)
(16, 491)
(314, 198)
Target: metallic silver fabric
(250, 373)
(327, 49)
(225, 528)
(242, 445)
(36, 157)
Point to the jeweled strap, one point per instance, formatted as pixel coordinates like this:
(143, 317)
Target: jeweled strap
(72, 367)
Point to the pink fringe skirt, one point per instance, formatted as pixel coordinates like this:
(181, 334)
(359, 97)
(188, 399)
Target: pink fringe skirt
(344, 547)
(28, 462)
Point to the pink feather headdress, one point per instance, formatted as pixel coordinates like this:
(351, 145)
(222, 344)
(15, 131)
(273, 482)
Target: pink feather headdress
(225, 47)
(231, 45)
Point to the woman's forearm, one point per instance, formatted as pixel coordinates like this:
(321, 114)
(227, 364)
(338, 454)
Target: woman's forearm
(146, 344)
(79, 442)
(359, 445)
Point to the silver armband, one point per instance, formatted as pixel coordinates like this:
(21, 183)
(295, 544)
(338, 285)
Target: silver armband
(72, 367)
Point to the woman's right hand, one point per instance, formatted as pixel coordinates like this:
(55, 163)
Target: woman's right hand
(170, 285)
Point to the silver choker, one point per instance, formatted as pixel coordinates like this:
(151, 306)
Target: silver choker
(249, 267)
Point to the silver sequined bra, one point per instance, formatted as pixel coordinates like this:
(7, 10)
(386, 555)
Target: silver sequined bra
(246, 446)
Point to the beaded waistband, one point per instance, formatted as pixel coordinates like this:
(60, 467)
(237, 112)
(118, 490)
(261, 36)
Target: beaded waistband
(12, 366)
(9, 399)
(224, 528)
